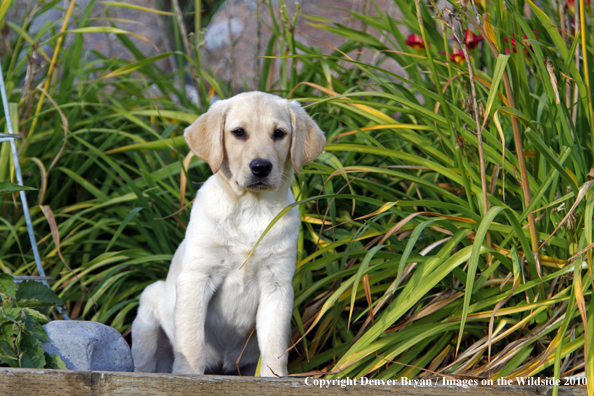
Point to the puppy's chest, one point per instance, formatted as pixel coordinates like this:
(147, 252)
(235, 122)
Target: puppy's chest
(241, 230)
(239, 286)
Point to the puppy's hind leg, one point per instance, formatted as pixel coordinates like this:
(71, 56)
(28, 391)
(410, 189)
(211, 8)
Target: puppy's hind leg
(164, 354)
(147, 334)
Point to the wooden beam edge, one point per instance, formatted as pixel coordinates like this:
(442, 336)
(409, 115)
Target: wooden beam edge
(16, 382)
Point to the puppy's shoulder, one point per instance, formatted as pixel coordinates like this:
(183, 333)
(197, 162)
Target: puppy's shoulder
(212, 198)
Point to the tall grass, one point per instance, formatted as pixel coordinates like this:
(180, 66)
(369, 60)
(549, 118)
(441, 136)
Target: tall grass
(418, 254)
(431, 274)
(105, 208)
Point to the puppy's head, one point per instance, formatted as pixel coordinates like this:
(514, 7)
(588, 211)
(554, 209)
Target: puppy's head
(255, 139)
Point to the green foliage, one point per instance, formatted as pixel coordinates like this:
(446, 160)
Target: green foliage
(417, 253)
(8, 188)
(108, 207)
(24, 312)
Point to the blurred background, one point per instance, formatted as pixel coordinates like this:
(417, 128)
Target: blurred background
(236, 32)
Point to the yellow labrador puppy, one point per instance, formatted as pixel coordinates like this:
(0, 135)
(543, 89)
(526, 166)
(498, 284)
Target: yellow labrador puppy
(200, 318)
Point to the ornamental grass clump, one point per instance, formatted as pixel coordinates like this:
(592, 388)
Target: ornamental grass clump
(446, 229)
(465, 187)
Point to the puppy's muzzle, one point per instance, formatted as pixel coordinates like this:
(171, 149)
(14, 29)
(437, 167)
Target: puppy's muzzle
(260, 167)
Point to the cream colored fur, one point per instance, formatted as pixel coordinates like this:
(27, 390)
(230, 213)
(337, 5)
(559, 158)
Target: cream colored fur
(200, 318)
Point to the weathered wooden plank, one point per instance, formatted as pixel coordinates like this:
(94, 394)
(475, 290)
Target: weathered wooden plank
(16, 382)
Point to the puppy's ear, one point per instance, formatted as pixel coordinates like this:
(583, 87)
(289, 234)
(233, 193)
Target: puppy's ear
(205, 135)
(308, 140)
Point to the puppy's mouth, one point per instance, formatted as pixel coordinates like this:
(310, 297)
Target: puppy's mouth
(260, 186)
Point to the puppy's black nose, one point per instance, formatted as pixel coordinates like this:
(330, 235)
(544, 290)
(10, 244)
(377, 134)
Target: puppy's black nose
(260, 167)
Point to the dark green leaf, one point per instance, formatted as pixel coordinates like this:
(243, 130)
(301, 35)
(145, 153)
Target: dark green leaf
(32, 294)
(55, 362)
(8, 187)
(7, 286)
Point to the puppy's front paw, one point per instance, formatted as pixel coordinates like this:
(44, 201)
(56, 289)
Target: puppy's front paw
(275, 372)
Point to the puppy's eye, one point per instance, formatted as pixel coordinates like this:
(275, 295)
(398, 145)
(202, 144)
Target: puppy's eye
(279, 134)
(239, 133)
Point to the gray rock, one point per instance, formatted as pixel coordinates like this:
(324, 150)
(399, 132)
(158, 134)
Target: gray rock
(217, 34)
(88, 346)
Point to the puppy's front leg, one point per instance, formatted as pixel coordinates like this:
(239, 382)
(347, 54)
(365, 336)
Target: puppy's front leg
(273, 322)
(194, 290)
